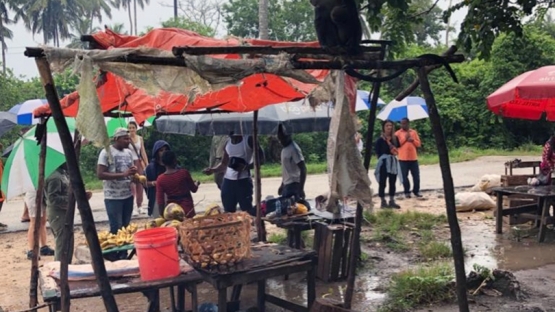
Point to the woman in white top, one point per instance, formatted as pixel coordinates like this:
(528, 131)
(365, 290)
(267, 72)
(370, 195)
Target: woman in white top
(137, 147)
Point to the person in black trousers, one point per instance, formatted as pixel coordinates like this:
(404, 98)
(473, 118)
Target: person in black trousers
(387, 167)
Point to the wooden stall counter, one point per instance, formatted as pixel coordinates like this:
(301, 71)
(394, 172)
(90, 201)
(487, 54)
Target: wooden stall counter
(537, 211)
(267, 261)
(50, 289)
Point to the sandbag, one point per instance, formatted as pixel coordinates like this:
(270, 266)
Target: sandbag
(486, 183)
(468, 201)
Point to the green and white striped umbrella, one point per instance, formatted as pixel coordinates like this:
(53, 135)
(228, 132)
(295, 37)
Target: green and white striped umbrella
(22, 167)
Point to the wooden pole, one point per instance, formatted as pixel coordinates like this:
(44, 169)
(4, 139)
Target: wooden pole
(371, 123)
(355, 242)
(448, 188)
(67, 235)
(33, 290)
(260, 230)
(76, 182)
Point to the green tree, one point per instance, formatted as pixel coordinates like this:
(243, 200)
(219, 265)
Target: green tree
(80, 27)
(5, 21)
(184, 23)
(140, 3)
(289, 20)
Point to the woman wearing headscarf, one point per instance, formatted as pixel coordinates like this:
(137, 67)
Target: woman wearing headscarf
(154, 169)
(388, 165)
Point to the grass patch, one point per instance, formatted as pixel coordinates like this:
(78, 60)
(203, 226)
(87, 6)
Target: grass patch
(435, 250)
(425, 285)
(278, 238)
(390, 227)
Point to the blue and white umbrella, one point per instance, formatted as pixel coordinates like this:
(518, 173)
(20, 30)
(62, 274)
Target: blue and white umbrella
(24, 111)
(363, 102)
(411, 107)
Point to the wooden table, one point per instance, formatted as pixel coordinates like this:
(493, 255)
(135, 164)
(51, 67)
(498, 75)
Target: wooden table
(86, 289)
(295, 225)
(266, 262)
(539, 211)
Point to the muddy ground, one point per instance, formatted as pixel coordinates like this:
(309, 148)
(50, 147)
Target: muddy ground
(533, 264)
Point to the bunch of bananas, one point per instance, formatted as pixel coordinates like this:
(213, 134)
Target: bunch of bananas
(123, 237)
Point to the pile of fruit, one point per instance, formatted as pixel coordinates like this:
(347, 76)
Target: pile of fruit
(140, 178)
(173, 216)
(123, 237)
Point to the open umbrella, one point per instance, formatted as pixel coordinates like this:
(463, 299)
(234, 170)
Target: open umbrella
(24, 111)
(7, 122)
(112, 123)
(411, 107)
(362, 102)
(22, 167)
(297, 117)
(527, 96)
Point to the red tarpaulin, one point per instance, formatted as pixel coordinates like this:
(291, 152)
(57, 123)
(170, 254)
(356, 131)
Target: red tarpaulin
(254, 92)
(527, 96)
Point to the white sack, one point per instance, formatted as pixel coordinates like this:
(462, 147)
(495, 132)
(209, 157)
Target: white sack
(486, 183)
(468, 201)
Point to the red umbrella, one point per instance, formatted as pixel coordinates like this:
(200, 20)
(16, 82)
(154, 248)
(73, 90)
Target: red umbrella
(527, 96)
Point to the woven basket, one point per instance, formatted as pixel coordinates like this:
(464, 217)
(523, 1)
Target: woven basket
(218, 240)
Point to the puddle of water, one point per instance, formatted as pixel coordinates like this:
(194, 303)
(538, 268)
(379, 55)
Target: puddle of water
(488, 249)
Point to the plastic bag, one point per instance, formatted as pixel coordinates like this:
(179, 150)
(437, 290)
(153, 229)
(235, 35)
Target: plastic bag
(468, 201)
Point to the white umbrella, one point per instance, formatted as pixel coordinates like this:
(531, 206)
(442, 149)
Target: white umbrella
(363, 102)
(411, 107)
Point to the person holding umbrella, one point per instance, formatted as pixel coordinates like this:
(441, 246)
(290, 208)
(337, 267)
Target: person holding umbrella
(387, 167)
(409, 141)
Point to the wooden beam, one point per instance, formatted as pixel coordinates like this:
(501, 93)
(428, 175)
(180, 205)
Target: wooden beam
(33, 290)
(77, 185)
(448, 188)
(268, 50)
(260, 231)
(296, 64)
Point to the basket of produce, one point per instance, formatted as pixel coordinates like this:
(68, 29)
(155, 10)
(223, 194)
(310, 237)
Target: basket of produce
(216, 239)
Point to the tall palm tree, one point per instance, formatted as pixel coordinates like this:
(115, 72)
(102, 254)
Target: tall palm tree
(5, 20)
(53, 18)
(81, 27)
(117, 28)
(142, 4)
(126, 5)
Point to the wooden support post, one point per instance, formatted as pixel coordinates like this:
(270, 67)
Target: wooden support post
(448, 188)
(67, 236)
(260, 231)
(76, 182)
(355, 242)
(33, 290)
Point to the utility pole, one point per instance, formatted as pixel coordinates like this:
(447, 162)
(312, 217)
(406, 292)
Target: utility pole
(175, 9)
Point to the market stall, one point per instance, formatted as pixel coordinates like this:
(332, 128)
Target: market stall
(115, 59)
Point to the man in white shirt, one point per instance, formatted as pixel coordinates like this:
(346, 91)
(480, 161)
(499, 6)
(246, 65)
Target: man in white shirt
(117, 175)
(293, 167)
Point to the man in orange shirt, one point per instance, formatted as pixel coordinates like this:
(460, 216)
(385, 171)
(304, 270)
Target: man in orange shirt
(408, 157)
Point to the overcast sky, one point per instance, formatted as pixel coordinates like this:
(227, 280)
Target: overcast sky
(152, 15)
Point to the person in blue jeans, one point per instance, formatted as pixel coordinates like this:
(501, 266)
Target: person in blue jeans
(237, 186)
(117, 174)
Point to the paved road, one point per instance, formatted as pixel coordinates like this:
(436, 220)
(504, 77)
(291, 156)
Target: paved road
(464, 174)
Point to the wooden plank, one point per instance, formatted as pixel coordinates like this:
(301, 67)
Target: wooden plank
(290, 306)
(499, 215)
(520, 209)
(543, 224)
(346, 252)
(337, 253)
(261, 296)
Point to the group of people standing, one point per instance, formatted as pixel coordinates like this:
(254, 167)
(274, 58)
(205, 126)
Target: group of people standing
(397, 157)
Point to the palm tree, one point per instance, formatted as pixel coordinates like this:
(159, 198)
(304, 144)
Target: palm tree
(54, 18)
(5, 32)
(142, 4)
(125, 4)
(81, 27)
(117, 28)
